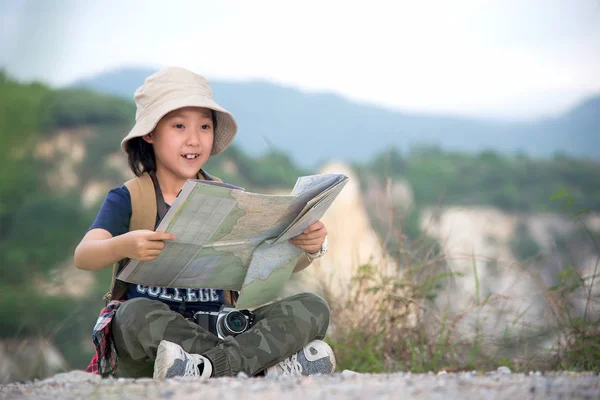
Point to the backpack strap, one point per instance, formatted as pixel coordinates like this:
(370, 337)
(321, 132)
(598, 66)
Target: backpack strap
(161, 205)
(143, 216)
(303, 262)
(209, 177)
(143, 202)
(146, 201)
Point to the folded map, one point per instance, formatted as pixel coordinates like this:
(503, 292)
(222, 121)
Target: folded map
(228, 238)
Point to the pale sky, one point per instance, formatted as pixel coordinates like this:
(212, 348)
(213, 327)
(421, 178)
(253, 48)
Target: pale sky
(515, 59)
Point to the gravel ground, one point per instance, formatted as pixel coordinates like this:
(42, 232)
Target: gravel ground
(499, 384)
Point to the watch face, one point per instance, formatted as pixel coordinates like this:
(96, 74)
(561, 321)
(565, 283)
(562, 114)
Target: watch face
(324, 245)
(321, 251)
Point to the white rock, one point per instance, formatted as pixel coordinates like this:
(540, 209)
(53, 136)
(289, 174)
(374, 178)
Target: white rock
(72, 377)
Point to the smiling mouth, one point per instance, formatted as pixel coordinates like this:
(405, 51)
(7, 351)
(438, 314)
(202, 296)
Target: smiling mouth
(190, 156)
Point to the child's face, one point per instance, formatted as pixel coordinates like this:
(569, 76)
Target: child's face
(182, 141)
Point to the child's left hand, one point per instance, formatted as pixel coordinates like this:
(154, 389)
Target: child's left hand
(312, 239)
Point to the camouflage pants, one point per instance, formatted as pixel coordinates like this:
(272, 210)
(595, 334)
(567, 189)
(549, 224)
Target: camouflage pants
(280, 329)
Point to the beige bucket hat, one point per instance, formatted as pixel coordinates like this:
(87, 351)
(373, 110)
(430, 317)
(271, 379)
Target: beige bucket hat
(172, 88)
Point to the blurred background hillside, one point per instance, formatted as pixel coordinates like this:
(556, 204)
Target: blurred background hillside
(467, 239)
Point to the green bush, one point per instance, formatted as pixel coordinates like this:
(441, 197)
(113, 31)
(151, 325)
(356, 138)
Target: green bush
(76, 107)
(512, 183)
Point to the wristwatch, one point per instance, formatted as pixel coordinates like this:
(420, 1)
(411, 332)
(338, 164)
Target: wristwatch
(320, 253)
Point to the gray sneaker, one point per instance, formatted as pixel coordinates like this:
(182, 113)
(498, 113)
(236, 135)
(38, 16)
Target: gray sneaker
(172, 361)
(315, 358)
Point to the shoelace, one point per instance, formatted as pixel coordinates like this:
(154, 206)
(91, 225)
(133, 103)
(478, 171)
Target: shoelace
(291, 366)
(192, 365)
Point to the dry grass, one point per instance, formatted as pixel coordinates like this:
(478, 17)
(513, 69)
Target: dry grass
(390, 323)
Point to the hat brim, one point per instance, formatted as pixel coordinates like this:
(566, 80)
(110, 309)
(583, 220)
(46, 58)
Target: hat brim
(226, 124)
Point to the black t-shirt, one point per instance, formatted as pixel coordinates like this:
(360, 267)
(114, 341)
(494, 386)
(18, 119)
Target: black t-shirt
(114, 216)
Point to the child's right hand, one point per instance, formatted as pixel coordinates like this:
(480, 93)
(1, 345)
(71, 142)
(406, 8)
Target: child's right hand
(145, 245)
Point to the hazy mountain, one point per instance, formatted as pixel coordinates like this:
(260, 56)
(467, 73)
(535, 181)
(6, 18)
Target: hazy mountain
(316, 127)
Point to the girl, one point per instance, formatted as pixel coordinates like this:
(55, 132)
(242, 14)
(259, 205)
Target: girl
(178, 127)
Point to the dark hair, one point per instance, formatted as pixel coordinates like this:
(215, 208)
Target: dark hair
(140, 154)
